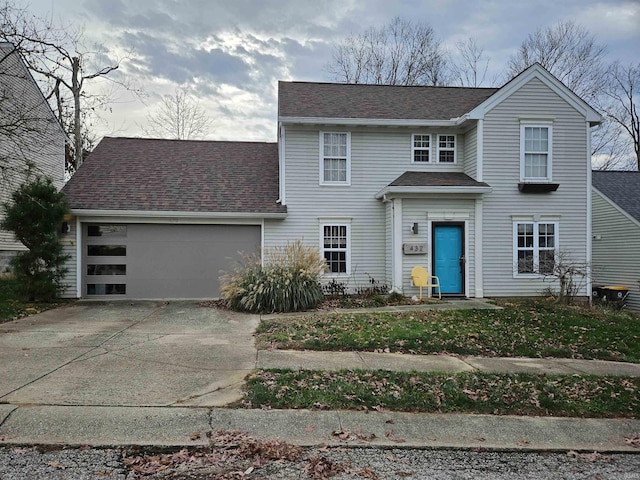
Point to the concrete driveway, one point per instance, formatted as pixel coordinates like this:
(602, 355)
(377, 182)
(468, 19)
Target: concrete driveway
(127, 354)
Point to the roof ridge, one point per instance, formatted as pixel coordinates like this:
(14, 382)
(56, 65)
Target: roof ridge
(188, 140)
(308, 82)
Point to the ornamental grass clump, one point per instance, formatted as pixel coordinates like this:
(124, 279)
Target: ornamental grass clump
(289, 281)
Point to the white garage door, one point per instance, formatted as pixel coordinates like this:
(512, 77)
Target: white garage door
(161, 261)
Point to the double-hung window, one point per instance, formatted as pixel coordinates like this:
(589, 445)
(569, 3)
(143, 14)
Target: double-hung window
(335, 247)
(446, 148)
(535, 248)
(421, 148)
(335, 161)
(535, 153)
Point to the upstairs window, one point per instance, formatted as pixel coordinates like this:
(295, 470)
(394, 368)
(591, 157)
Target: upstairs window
(535, 146)
(446, 148)
(535, 247)
(335, 162)
(421, 148)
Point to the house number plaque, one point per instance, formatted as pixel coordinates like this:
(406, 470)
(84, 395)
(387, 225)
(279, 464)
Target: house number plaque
(414, 248)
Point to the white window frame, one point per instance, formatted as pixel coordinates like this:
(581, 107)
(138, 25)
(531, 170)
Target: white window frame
(536, 246)
(549, 152)
(447, 149)
(415, 149)
(347, 250)
(347, 181)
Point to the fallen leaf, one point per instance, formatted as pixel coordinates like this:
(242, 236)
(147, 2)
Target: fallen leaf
(391, 436)
(57, 465)
(588, 457)
(194, 436)
(367, 472)
(633, 440)
(309, 428)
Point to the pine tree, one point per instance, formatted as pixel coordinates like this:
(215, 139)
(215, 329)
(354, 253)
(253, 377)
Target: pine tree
(35, 217)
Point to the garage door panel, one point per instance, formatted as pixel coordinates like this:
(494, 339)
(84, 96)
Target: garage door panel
(176, 261)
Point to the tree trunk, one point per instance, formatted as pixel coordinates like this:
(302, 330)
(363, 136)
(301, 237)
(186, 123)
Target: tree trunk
(77, 127)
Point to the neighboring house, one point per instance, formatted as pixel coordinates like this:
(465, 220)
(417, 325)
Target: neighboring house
(616, 231)
(482, 186)
(31, 140)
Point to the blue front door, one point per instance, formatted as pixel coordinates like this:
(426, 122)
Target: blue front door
(448, 257)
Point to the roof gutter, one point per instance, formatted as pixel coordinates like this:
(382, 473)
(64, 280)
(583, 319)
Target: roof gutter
(175, 214)
(378, 122)
(390, 190)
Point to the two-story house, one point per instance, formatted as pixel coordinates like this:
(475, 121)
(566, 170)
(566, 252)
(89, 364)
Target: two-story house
(32, 142)
(483, 187)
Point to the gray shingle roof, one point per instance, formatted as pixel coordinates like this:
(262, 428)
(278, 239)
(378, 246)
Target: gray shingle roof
(178, 175)
(436, 179)
(339, 100)
(622, 188)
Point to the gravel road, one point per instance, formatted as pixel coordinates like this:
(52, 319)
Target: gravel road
(20, 463)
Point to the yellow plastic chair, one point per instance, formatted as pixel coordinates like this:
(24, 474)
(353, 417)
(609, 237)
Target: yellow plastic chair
(421, 278)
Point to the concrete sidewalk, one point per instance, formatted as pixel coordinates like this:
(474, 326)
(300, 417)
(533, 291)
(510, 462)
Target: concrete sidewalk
(179, 427)
(313, 360)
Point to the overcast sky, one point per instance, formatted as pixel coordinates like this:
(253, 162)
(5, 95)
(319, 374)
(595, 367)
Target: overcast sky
(231, 53)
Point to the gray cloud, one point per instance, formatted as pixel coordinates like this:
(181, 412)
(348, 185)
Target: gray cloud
(184, 63)
(237, 50)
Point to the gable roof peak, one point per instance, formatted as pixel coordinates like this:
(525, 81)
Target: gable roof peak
(536, 70)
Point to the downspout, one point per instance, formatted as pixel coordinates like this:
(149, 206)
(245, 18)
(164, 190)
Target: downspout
(79, 259)
(281, 164)
(589, 213)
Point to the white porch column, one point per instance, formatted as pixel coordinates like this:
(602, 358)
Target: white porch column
(478, 249)
(396, 257)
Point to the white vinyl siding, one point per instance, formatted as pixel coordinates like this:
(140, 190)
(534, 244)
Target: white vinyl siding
(69, 247)
(616, 256)
(502, 170)
(335, 158)
(378, 156)
(470, 152)
(535, 153)
(37, 149)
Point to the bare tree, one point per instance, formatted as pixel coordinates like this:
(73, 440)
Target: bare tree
(61, 63)
(180, 117)
(570, 53)
(469, 67)
(574, 56)
(400, 53)
(622, 109)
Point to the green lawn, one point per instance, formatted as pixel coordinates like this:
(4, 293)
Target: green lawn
(500, 394)
(523, 329)
(12, 306)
